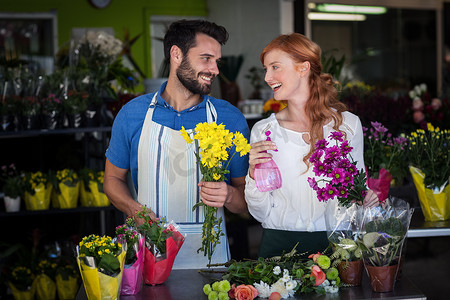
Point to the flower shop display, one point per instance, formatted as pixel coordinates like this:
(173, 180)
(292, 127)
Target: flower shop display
(382, 234)
(21, 282)
(45, 280)
(134, 260)
(38, 190)
(162, 243)
(287, 275)
(67, 282)
(66, 189)
(91, 188)
(427, 109)
(101, 262)
(429, 155)
(213, 144)
(384, 158)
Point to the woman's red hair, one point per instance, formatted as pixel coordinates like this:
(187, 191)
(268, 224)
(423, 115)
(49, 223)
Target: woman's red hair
(323, 104)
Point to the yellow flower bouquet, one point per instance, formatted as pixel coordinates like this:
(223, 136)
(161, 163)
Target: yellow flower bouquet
(213, 144)
(91, 189)
(67, 282)
(45, 280)
(101, 262)
(66, 189)
(429, 154)
(22, 284)
(38, 190)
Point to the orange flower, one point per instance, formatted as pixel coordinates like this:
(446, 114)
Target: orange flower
(274, 105)
(319, 275)
(243, 292)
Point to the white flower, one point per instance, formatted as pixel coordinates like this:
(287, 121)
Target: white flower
(286, 277)
(325, 283)
(412, 94)
(264, 290)
(423, 87)
(277, 270)
(418, 90)
(290, 285)
(280, 288)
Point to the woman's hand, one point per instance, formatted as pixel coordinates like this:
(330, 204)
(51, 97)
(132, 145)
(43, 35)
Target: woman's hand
(258, 155)
(371, 199)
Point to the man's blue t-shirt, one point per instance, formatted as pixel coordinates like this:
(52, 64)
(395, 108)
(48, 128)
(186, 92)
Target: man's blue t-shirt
(126, 131)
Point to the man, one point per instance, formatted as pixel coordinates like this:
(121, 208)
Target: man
(146, 141)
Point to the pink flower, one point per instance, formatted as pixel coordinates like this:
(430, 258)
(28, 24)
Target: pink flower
(319, 275)
(436, 103)
(418, 116)
(314, 257)
(417, 104)
(243, 292)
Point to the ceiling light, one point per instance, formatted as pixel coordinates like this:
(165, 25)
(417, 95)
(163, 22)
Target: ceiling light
(336, 17)
(338, 8)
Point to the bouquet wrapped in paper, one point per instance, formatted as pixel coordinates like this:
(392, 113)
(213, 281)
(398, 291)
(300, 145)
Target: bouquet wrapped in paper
(381, 236)
(67, 282)
(91, 190)
(342, 232)
(134, 260)
(66, 188)
(22, 284)
(45, 280)
(162, 243)
(37, 191)
(101, 262)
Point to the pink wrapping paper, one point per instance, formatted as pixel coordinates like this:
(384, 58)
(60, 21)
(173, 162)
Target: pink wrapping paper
(132, 275)
(157, 270)
(381, 185)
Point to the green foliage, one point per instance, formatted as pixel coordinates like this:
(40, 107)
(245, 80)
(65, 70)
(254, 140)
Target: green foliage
(332, 65)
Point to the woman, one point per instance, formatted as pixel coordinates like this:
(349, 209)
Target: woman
(293, 213)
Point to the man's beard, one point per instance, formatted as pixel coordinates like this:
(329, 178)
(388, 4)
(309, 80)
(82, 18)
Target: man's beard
(186, 75)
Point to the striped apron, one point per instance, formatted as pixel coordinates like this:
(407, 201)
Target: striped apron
(167, 179)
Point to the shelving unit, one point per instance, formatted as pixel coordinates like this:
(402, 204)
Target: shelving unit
(34, 149)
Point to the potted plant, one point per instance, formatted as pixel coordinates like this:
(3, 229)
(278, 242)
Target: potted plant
(429, 157)
(45, 280)
(29, 111)
(66, 188)
(12, 187)
(382, 234)
(101, 262)
(21, 283)
(38, 190)
(67, 278)
(384, 159)
(51, 109)
(74, 107)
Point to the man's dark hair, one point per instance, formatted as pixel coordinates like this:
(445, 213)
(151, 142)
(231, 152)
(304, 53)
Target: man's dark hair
(182, 34)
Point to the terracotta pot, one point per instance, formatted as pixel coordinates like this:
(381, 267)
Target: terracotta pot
(351, 272)
(382, 279)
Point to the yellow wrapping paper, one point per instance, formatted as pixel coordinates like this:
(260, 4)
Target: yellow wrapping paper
(99, 285)
(67, 289)
(86, 197)
(93, 197)
(23, 295)
(45, 287)
(41, 198)
(68, 198)
(435, 204)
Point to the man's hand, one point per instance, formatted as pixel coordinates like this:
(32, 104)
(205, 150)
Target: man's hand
(214, 194)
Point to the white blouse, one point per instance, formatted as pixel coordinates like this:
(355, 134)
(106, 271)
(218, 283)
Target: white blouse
(295, 206)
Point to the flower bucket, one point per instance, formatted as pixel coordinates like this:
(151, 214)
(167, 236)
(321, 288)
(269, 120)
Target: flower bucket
(435, 204)
(132, 274)
(382, 279)
(23, 295)
(98, 285)
(45, 287)
(68, 198)
(381, 185)
(86, 196)
(351, 272)
(41, 198)
(12, 204)
(67, 289)
(157, 269)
